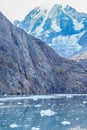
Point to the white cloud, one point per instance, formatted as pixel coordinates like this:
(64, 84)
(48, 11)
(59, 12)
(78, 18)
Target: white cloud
(17, 9)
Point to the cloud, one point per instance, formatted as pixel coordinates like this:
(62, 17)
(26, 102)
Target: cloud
(17, 9)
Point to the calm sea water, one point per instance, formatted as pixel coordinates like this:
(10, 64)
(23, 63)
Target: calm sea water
(54, 112)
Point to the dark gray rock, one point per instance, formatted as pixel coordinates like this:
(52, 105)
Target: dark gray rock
(29, 66)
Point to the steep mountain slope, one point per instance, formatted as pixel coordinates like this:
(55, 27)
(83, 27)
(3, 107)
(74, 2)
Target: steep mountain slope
(29, 66)
(82, 55)
(60, 27)
(83, 41)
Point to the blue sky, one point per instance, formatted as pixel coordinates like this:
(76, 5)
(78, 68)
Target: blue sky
(17, 9)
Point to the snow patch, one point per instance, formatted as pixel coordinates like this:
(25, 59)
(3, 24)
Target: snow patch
(77, 25)
(67, 45)
(39, 29)
(55, 27)
(47, 112)
(47, 33)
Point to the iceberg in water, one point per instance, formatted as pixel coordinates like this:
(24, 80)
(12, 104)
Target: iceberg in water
(47, 112)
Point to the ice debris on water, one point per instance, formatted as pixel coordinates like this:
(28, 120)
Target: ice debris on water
(47, 112)
(65, 123)
(13, 125)
(77, 128)
(35, 128)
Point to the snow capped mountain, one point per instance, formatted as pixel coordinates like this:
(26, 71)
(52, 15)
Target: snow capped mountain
(61, 27)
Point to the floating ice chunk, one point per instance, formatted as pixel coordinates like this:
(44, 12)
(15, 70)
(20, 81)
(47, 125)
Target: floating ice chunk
(13, 125)
(35, 128)
(77, 118)
(26, 126)
(65, 123)
(1, 103)
(5, 95)
(38, 105)
(69, 96)
(84, 102)
(47, 112)
(19, 103)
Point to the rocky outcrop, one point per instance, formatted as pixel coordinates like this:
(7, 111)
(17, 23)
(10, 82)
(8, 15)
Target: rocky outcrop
(29, 66)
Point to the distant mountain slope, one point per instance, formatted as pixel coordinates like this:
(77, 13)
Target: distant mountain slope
(82, 55)
(83, 41)
(29, 66)
(60, 27)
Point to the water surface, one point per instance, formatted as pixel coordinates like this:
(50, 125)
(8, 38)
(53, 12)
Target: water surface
(54, 112)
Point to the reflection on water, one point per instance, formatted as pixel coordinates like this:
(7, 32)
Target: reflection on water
(78, 128)
(55, 112)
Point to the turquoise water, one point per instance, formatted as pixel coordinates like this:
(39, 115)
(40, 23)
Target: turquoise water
(54, 112)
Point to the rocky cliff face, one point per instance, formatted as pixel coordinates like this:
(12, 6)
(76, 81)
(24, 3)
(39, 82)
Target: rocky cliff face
(29, 66)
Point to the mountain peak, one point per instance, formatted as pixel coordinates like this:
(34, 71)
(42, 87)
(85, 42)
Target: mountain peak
(56, 26)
